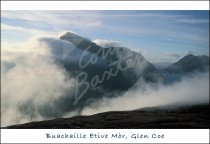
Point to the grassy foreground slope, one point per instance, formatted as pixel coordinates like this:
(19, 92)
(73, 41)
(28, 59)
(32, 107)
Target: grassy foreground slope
(193, 116)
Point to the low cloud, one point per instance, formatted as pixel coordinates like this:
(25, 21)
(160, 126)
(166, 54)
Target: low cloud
(31, 83)
(34, 87)
(191, 90)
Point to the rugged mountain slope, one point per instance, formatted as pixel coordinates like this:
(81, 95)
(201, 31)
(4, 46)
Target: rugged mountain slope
(118, 59)
(98, 72)
(115, 68)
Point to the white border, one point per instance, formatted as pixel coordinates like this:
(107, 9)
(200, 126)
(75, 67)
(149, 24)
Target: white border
(105, 5)
(169, 136)
(38, 136)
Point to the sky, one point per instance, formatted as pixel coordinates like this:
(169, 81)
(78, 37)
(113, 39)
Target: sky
(161, 36)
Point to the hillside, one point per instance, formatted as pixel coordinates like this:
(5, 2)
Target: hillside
(189, 63)
(164, 117)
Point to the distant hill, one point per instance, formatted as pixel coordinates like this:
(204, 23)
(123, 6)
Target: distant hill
(189, 63)
(186, 66)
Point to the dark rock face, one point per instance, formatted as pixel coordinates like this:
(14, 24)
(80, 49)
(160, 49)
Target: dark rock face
(183, 117)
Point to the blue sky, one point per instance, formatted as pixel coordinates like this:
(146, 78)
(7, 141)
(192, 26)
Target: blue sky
(159, 35)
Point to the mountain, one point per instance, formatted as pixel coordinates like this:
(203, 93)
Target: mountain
(189, 63)
(110, 72)
(186, 66)
(125, 66)
(106, 72)
(98, 72)
(112, 57)
(162, 117)
(80, 42)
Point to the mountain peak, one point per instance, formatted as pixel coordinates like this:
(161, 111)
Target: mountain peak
(187, 59)
(189, 55)
(80, 42)
(70, 35)
(72, 38)
(190, 58)
(190, 63)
